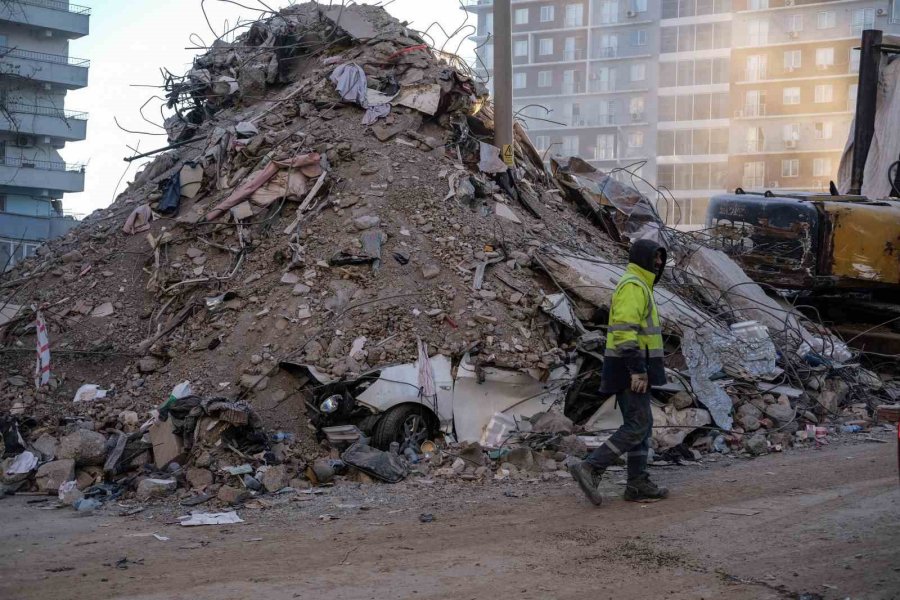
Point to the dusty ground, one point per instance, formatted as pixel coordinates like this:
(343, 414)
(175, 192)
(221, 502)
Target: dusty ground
(828, 526)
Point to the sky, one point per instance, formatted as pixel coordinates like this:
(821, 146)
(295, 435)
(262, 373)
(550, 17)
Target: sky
(131, 40)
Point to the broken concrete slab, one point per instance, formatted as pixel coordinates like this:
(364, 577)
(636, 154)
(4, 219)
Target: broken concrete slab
(53, 474)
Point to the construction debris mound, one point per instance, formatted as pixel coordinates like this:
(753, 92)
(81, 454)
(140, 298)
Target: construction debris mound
(331, 241)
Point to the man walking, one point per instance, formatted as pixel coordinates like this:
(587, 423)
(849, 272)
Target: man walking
(632, 364)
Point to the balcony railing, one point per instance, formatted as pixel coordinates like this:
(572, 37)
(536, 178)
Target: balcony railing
(57, 59)
(573, 88)
(757, 74)
(751, 110)
(602, 120)
(755, 145)
(44, 111)
(609, 51)
(573, 55)
(45, 165)
(753, 182)
(603, 86)
(60, 6)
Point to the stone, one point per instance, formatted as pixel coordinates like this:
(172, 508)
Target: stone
(552, 422)
(780, 413)
(72, 256)
(573, 446)
(274, 478)
(251, 483)
(84, 479)
(505, 212)
(748, 423)
(203, 460)
(199, 478)
(366, 222)
(523, 459)
(301, 289)
(194, 252)
(257, 383)
(748, 409)
(129, 419)
(300, 484)
(430, 270)
(149, 364)
(53, 474)
(232, 495)
(83, 446)
(681, 400)
(104, 310)
(155, 488)
(47, 446)
(756, 445)
(473, 455)
(290, 278)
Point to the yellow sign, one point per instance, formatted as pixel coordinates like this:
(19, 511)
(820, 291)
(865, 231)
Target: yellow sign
(508, 156)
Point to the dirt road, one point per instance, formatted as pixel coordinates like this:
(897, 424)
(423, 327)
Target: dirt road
(828, 525)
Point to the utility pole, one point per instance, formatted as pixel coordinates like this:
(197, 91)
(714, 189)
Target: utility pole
(503, 88)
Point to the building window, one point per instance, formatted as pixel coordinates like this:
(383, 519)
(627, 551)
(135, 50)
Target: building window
(489, 23)
(754, 174)
(2, 203)
(790, 167)
(854, 60)
(521, 16)
(542, 142)
(793, 60)
(791, 95)
(570, 145)
(639, 6)
(895, 11)
(636, 108)
(758, 4)
(609, 45)
(826, 19)
(756, 140)
(574, 15)
(639, 37)
(824, 130)
(609, 12)
(824, 58)
(520, 81)
(570, 85)
(791, 134)
(824, 93)
(638, 72)
(545, 46)
(545, 78)
(758, 32)
(821, 167)
(547, 14)
(520, 48)
(863, 18)
(636, 139)
(793, 24)
(606, 147)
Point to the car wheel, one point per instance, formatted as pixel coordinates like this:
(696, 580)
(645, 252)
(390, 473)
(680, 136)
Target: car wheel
(407, 425)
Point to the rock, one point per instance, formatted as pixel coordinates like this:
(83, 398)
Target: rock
(53, 474)
(73, 256)
(552, 422)
(130, 419)
(199, 478)
(523, 459)
(756, 445)
(748, 409)
(458, 466)
(251, 483)
(257, 383)
(203, 460)
(780, 413)
(155, 488)
(84, 447)
(366, 222)
(473, 455)
(47, 446)
(748, 423)
(274, 478)
(104, 310)
(300, 484)
(194, 252)
(290, 278)
(430, 270)
(84, 479)
(301, 289)
(232, 495)
(681, 400)
(573, 446)
(149, 364)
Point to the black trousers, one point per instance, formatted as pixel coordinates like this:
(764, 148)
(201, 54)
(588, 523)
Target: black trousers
(633, 437)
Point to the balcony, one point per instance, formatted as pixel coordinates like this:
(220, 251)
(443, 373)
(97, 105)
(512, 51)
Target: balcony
(608, 52)
(601, 120)
(70, 19)
(570, 55)
(41, 174)
(750, 110)
(749, 183)
(756, 74)
(43, 121)
(573, 88)
(34, 229)
(71, 73)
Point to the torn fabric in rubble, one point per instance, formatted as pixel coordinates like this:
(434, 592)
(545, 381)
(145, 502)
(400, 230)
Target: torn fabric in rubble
(375, 112)
(350, 81)
(138, 220)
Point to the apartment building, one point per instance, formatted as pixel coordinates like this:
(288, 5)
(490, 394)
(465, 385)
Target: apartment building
(695, 96)
(36, 72)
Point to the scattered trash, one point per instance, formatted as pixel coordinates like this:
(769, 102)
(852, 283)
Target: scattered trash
(196, 519)
(426, 518)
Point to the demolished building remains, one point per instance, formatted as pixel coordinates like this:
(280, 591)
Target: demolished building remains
(330, 242)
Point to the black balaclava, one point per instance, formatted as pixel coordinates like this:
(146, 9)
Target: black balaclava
(643, 254)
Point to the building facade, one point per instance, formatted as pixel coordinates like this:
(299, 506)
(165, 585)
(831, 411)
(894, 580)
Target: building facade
(36, 72)
(693, 97)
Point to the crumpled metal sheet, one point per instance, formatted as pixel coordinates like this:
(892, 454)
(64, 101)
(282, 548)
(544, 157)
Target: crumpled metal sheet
(702, 351)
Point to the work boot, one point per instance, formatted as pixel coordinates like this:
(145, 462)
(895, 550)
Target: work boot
(588, 479)
(641, 489)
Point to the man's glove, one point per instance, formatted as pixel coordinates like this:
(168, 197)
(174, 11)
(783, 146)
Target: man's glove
(639, 383)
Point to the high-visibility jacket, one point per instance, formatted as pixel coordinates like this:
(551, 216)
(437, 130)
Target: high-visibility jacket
(634, 343)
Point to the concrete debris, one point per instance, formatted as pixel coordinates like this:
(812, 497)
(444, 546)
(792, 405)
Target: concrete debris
(356, 282)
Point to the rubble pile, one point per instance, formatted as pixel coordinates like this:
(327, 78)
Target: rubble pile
(330, 222)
